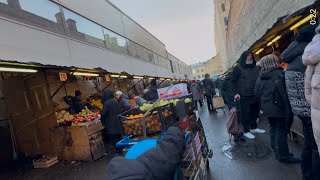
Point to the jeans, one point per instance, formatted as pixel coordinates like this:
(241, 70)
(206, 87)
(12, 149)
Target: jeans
(278, 138)
(249, 111)
(196, 104)
(310, 164)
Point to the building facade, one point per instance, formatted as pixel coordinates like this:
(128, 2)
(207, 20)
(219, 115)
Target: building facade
(221, 13)
(212, 66)
(84, 35)
(249, 20)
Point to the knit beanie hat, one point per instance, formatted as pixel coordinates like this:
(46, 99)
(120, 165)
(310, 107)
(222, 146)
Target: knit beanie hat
(269, 62)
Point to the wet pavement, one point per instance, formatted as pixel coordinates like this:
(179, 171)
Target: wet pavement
(221, 166)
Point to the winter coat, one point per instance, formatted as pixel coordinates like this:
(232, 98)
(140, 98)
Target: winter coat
(270, 89)
(77, 105)
(228, 91)
(158, 163)
(124, 103)
(152, 94)
(311, 58)
(295, 72)
(244, 76)
(209, 87)
(110, 112)
(196, 91)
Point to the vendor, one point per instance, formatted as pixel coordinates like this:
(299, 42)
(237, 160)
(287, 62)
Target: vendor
(78, 102)
(139, 100)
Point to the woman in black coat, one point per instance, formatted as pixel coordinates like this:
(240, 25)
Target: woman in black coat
(275, 106)
(109, 117)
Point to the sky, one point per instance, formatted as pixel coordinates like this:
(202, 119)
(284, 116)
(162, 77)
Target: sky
(184, 26)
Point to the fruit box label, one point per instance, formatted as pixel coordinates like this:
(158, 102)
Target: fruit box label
(175, 91)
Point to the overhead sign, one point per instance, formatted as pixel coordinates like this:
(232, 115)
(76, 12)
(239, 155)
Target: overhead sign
(63, 76)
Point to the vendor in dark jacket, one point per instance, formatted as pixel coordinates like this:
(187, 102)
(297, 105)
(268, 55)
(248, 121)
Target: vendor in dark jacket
(294, 76)
(244, 77)
(158, 163)
(228, 91)
(77, 102)
(210, 90)
(270, 89)
(152, 94)
(109, 117)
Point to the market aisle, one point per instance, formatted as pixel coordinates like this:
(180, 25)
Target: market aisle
(223, 168)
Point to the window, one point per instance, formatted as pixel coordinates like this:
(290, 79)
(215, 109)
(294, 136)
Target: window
(132, 48)
(198, 71)
(223, 7)
(199, 76)
(41, 8)
(201, 70)
(150, 56)
(115, 41)
(4, 1)
(202, 75)
(193, 71)
(226, 21)
(84, 29)
(155, 58)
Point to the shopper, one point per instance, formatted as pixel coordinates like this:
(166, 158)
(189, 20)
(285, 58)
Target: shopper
(139, 100)
(123, 100)
(311, 58)
(244, 78)
(210, 91)
(158, 163)
(152, 94)
(109, 117)
(275, 106)
(196, 94)
(295, 87)
(227, 90)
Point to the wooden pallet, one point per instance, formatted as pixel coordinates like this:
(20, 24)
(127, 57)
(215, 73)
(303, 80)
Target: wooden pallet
(45, 162)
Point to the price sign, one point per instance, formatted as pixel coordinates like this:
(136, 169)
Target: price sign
(63, 76)
(107, 77)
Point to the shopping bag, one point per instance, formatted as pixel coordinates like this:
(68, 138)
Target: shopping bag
(232, 125)
(218, 102)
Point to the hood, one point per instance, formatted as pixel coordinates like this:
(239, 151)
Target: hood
(269, 74)
(154, 89)
(294, 50)
(123, 96)
(242, 60)
(133, 169)
(106, 95)
(306, 33)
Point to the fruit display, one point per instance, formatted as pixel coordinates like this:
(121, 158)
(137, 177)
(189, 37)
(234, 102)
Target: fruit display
(166, 113)
(65, 118)
(188, 100)
(96, 103)
(132, 125)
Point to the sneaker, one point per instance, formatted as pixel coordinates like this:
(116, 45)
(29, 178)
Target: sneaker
(258, 131)
(249, 135)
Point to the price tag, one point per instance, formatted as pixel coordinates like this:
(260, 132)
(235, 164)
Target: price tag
(63, 76)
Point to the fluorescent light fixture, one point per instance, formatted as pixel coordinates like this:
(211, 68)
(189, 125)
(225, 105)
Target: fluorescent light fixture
(137, 77)
(123, 76)
(84, 74)
(114, 75)
(151, 78)
(5, 69)
(274, 40)
(259, 51)
(306, 19)
(269, 44)
(168, 79)
(162, 79)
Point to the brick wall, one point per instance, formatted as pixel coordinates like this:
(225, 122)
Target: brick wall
(250, 19)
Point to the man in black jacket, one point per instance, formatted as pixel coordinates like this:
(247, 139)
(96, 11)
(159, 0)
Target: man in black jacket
(109, 117)
(210, 91)
(158, 163)
(270, 89)
(244, 78)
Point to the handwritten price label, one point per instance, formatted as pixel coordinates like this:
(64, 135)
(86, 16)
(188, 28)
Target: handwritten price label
(313, 16)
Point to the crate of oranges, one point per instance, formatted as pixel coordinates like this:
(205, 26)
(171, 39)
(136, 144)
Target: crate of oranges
(132, 123)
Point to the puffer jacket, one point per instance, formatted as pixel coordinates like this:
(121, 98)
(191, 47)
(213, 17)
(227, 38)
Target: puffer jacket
(295, 72)
(158, 163)
(196, 92)
(311, 58)
(124, 102)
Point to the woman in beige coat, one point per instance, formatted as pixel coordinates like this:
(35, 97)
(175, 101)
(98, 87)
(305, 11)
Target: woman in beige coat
(311, 58)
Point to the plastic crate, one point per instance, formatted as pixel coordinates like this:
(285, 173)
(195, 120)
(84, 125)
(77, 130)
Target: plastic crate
(132, 123)
(167, 115)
